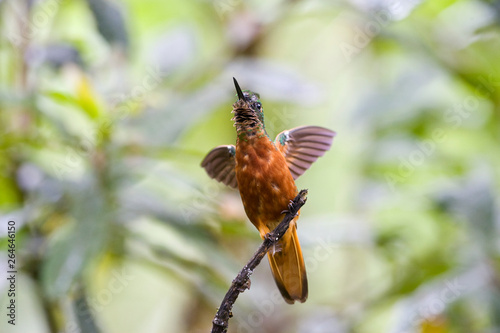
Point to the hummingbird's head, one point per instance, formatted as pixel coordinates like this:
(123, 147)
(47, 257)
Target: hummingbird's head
(248, 105)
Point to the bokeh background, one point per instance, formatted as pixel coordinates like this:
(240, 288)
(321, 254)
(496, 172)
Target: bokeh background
(108, 107)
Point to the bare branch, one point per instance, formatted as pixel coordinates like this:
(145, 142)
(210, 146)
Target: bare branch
(242, 280)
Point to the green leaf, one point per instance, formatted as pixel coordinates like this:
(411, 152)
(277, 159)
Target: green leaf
(110, 22)
(76, 244)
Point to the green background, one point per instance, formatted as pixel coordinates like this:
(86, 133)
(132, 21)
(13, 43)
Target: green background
(108, 107)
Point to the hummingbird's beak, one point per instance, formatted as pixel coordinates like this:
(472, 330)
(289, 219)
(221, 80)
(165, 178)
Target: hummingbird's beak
(238, 89)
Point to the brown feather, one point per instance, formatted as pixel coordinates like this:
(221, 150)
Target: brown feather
(287, 266)
(219, 165)
(302, 146)
(266, 187)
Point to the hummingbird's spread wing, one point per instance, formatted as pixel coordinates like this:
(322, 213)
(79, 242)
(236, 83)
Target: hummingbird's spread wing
(219, 164)
(301, 146)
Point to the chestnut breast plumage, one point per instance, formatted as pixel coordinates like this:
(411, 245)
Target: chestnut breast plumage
(266, 185)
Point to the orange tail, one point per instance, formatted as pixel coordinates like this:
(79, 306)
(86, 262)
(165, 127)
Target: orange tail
(287, 266)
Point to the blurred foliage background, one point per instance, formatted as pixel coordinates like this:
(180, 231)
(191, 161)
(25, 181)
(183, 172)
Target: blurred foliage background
(108, 107)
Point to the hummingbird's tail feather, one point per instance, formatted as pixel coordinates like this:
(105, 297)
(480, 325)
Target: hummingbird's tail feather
(287, 266)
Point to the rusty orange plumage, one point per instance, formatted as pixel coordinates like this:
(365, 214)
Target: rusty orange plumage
(264, 172)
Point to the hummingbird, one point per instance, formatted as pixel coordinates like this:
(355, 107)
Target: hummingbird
(265, 171)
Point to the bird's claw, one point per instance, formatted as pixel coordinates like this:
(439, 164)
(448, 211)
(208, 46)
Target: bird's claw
(268, 237)
(290, 206)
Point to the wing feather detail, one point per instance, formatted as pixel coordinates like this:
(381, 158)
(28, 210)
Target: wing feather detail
(302, 146)
(220, 163)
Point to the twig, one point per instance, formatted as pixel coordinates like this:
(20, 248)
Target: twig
(242, 280)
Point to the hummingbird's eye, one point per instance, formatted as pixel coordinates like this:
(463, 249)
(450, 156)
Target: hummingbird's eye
(258, 105)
